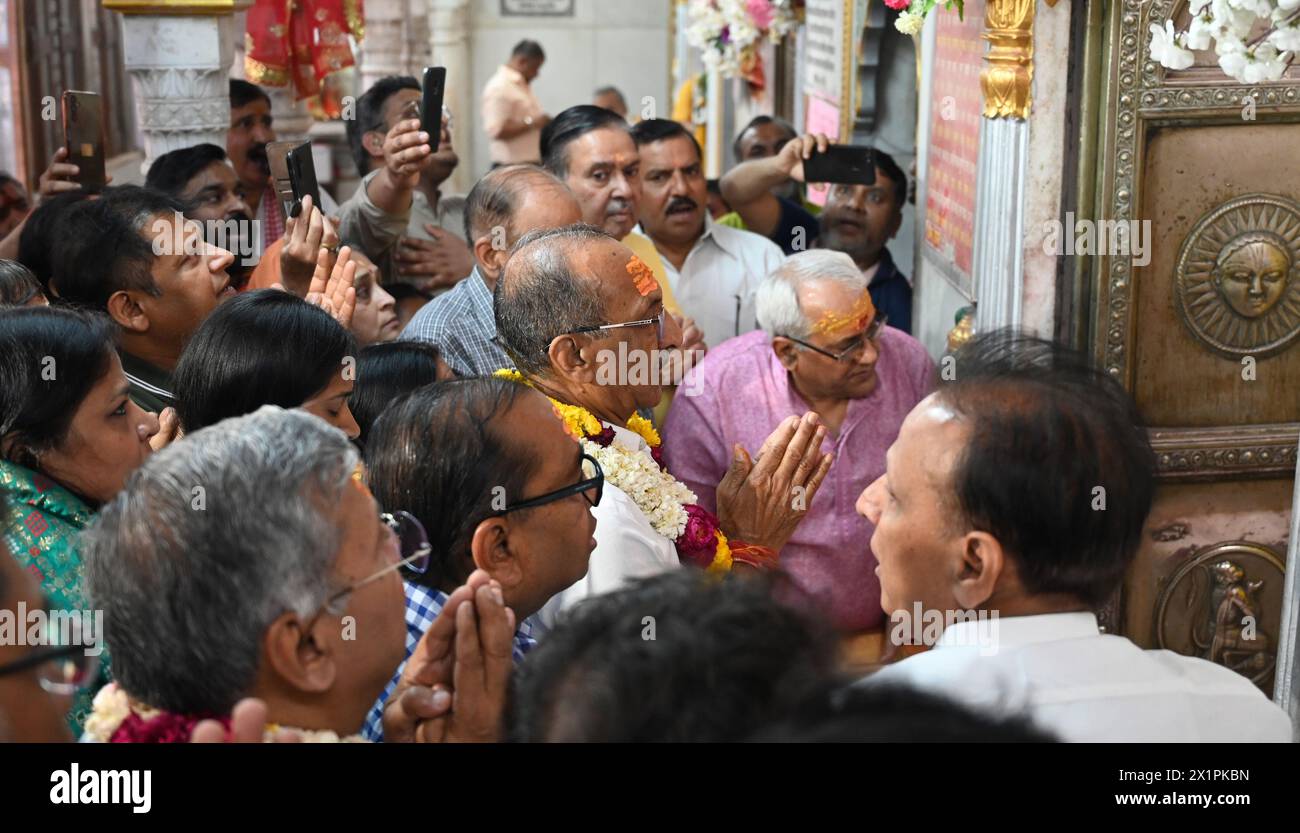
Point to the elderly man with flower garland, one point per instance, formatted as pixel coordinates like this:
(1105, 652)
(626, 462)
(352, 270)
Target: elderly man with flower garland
(823, 348)
(575, 309)
(275, 577)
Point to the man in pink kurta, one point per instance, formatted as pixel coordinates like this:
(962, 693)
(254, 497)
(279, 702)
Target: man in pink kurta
(743, 389)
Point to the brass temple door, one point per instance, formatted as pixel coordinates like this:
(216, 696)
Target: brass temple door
(1202, 328)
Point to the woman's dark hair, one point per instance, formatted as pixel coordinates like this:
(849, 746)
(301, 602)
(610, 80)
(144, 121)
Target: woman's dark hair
(441, 454)
(264, 347)
(52, 358)
(386, 371)
(677, 657)
(18, 285)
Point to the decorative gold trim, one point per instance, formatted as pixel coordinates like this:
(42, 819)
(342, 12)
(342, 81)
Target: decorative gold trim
(849, 93)
(1139, 97)
(177, 7)
(1009, 63)
(356, 22)
(1235, 451)
(260, 73)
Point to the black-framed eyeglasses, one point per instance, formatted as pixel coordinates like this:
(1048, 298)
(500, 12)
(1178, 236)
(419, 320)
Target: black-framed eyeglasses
(658, 321)
(854, 349)
(63, 669)
(591, 487)
(412, 543)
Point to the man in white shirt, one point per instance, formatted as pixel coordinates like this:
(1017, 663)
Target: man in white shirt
(1013, 502)
(713, 270)
(512, 117)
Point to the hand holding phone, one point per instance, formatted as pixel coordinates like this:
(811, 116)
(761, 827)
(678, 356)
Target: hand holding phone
(433, 87)
(842, 164)
(83, 136)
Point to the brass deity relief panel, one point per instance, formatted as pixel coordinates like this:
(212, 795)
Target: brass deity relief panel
(1224, 605)
(1237, 285)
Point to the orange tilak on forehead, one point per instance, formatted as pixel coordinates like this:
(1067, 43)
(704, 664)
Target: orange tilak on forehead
(642, 276)
(857, 318)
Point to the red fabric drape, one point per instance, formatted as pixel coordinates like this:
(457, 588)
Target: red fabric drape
(302, 42)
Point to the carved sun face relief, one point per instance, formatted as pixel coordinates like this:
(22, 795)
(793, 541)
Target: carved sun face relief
(1237, 285)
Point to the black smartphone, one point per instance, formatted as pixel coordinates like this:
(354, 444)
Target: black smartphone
(83, 136)
(277, 158)
(302, 175)
(433, 87)
(847, 164)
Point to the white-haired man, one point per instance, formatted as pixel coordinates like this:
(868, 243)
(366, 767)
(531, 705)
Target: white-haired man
(824, 348)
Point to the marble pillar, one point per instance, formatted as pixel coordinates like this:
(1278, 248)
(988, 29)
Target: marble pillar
(449, 46)
(178, 54)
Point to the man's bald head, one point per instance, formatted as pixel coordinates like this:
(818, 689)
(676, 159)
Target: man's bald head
(546, 289)
(495, 199)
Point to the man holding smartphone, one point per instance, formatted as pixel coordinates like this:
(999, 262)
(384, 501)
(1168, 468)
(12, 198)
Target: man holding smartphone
(858, 220)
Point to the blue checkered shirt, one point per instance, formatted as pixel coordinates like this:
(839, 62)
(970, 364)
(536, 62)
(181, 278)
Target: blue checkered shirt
(422, 607)
(460, 323)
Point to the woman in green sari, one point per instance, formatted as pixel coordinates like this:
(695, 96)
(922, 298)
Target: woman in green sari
(69, 437)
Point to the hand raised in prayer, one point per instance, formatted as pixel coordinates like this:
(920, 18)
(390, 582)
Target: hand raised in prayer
(247, 725)
(792, 155)
(454, 685)
(762, 502)
(332, 286)
(406, 151)
(433, 264)
(303, 237)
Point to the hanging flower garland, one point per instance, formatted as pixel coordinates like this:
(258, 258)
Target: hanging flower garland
(912, 15)
(1228, 24)
(728, 33)
(116, 718)
(665, 501)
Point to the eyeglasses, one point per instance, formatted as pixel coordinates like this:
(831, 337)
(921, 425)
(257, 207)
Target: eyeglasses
(855, 348)
(63, 669)
(412, 543)
(658, 321)
(591, 487)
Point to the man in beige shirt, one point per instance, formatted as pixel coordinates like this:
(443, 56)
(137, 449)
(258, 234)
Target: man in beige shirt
(512, 118)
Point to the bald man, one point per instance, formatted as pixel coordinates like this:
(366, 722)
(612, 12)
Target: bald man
(505, 205)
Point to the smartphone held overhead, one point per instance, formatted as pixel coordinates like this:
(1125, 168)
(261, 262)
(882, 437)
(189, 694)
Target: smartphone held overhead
(83, 136)
(842, 164)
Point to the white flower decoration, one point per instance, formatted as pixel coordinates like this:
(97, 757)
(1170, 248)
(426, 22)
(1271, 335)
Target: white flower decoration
(1165, 48)
(909, 23)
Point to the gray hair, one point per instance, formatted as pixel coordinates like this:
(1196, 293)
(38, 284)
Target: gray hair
(776, 302)
(538, 296)
(211, 540)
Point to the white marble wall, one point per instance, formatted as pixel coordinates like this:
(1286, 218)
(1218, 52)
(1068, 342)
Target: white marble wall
(618, 42)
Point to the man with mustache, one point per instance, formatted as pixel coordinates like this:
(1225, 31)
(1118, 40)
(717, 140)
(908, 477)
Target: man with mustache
(857, 219)
(590, 149)
(712, 270)
(203, 179)
(246, 141)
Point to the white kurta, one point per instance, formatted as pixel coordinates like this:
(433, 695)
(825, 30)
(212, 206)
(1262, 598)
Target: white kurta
(627, 546)
(1083, 685)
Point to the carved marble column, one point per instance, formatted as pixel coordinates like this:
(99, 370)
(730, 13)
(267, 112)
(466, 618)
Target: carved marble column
(397, 40)
(449, 46)
(178, 53)
(998, 256)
